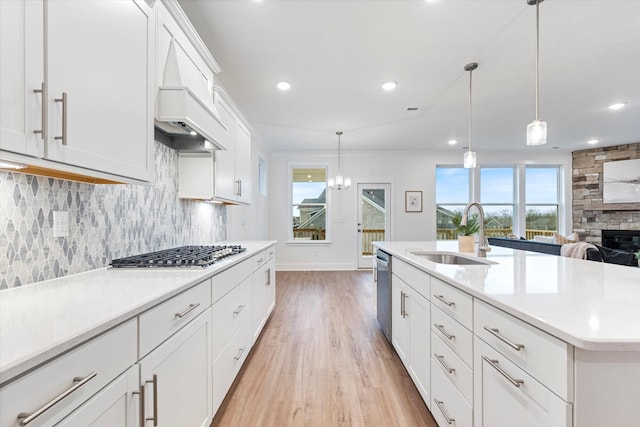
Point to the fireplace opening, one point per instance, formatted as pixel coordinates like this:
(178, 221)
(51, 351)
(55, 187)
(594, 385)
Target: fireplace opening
(626, 240)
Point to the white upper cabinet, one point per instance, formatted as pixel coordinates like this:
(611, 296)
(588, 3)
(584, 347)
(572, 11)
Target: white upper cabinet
(22, 71)
(97, 109)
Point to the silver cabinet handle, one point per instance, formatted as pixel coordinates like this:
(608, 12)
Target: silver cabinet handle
(403, 304)
(154, 381)
(504, 373)
(238, 310)
(441, 298)
(239, 355)
(440, 359)
(26, 417)
(441, 329)
(240, 187)
(187, 311)
(65, 103)
(45, 113)
(141, 394)
(268, 278)
(440, 405)
(495, 333)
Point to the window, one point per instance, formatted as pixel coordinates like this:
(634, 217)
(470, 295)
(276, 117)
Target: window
(452, 195)
(262, 176)
(542, 200)
(309, 203)
(497, 193)
(521, 200)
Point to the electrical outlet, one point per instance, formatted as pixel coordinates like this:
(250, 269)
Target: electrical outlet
(60, 224)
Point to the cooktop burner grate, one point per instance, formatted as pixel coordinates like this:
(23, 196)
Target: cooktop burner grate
(183, 256)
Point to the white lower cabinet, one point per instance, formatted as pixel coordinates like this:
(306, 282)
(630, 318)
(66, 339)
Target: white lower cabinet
(448, 406)
(507, 396)
(264, 296)
(410, 314)
(176, 380)
(117, 405)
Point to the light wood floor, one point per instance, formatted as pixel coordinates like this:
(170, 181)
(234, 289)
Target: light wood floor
(323, 361)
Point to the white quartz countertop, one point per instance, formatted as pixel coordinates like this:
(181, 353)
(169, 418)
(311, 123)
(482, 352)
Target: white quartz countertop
(591, 305)
(45, 319)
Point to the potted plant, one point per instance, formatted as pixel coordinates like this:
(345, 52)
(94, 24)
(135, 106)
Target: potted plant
(466, 232)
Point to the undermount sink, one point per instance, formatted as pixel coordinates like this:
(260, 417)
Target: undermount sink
(451, 258)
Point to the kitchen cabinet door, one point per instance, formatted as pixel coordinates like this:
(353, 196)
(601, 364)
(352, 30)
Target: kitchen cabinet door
(400, 326)
(418, 311)
(259, 294)
(177, 377)
(22, 71)
(117, 405)
(270, 290)
(243, 163)
(99, 59)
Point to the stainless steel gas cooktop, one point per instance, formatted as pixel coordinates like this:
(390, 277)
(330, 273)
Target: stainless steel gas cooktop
(183, 256)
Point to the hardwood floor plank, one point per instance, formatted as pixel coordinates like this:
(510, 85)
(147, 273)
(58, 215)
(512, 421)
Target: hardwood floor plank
(323, 361)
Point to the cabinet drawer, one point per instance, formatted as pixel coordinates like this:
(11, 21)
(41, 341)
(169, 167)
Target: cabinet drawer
(223, 282)
(456, 336)
(269, 253)
(448, 407)
(541, 355)
(228, 364)
(452, 301)
(99, 361)
(417, 279)
(163, 320)
(229, 313)
(461, 375)
(512, 397)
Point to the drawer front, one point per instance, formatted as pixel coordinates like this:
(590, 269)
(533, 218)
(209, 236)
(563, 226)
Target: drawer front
(509, 396)
(162, 321)
(541, 355)
(269, 253)
(452, 301)
(229, 362)
(106, 356)
(417, 279)
(229, 313)
(228, 279)
(456, 336)
(452, 367)
(448, 407)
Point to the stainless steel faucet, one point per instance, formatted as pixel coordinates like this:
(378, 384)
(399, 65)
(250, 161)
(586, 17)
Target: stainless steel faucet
(483, 244)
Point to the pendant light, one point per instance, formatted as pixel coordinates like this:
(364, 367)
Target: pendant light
(339, 182)
(537, 130)
(470, 156)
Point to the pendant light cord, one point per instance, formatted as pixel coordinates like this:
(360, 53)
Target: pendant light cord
(537, 58)
(339, 133)
(470, 78)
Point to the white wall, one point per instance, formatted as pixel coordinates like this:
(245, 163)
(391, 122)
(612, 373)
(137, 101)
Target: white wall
(250, 222)
(405, 170)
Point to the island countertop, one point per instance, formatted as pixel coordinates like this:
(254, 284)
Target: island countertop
(591, 305)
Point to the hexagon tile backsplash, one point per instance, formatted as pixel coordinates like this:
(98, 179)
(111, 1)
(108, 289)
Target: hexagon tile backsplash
(105, 222)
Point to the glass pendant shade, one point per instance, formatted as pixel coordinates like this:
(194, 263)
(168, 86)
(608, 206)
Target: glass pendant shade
(537, 133)
(469, 159)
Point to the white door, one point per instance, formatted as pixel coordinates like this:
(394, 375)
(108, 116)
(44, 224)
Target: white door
(374, 219)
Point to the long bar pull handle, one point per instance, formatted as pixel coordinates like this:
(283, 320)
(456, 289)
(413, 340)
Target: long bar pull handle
(240, 187)
(404, 298)
(440, 359)
(441, 329)
(239, 355)
(65, 104)
(44, 109)
(141, 394)
(495, 333)
(238, 310)
(155, 400)
(402, 304)
(26, 417)
(441, 298)
(504, 373)
(268, 277)
(187, 311)
(440, 405)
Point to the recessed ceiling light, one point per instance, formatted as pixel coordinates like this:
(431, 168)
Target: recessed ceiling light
(283, 85)
(617, 105)
(452, 141)
(391, 85)
(593, 141)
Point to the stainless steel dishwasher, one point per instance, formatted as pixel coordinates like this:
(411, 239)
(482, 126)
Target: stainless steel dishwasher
(383, 274)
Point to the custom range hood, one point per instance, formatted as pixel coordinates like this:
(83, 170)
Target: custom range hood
(186, 118)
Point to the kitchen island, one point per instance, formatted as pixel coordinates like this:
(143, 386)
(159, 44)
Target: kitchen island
(582, 365)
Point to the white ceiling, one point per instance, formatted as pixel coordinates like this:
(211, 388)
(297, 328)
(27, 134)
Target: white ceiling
(337, 54)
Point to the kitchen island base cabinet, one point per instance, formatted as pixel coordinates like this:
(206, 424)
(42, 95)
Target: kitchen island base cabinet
(176, 377)
(117, 405)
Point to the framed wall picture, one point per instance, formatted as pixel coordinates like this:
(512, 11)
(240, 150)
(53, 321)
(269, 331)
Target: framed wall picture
(413, 201)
